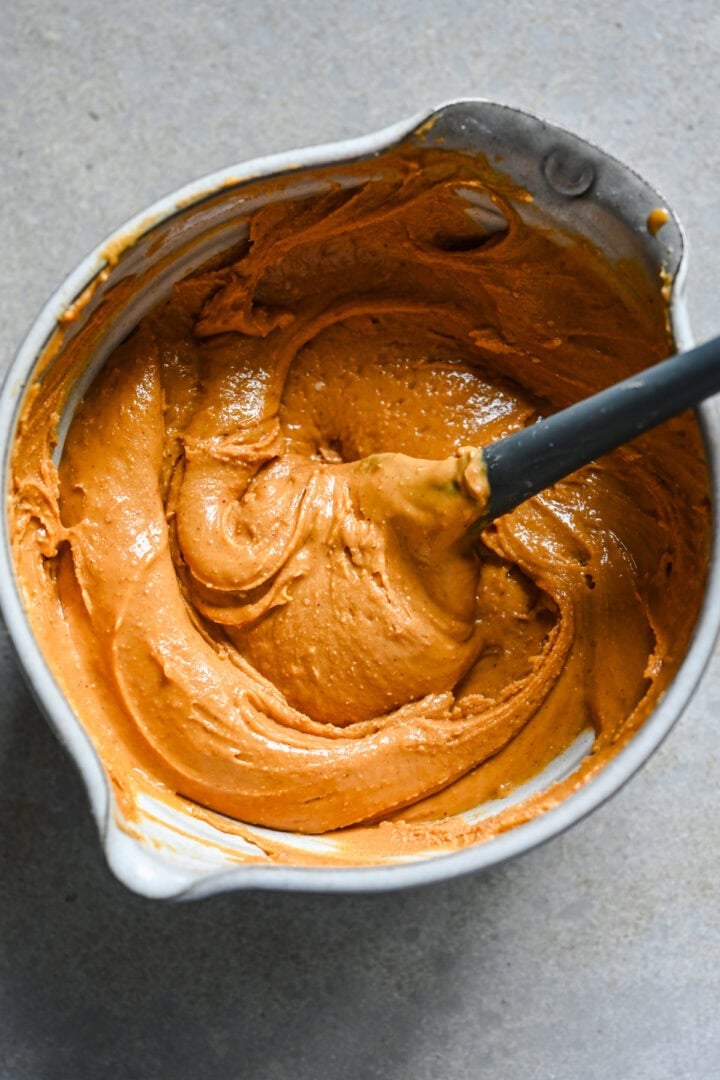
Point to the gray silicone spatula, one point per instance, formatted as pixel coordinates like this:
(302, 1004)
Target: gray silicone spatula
(524, 463)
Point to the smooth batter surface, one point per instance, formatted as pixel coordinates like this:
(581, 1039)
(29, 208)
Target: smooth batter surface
(255, 574)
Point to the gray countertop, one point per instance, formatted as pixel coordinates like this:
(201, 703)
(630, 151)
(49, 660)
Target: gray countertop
(597, 956)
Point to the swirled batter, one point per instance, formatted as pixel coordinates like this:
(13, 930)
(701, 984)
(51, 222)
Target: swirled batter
(255, 572)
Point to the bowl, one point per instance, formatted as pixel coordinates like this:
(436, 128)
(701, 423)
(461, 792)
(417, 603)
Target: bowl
(163, 852)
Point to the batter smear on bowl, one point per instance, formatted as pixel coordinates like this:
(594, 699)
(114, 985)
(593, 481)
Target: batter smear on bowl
(254, 571)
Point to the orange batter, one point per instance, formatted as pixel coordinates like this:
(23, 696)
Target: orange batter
(255, 574)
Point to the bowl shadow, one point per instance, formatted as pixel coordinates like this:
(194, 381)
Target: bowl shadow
(99, 982)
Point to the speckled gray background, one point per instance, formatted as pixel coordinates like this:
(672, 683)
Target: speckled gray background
(595, 957)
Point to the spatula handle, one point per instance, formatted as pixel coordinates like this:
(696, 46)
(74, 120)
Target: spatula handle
(530, 460)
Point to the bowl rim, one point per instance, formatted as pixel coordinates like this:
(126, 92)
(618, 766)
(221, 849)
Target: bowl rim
(68, 727)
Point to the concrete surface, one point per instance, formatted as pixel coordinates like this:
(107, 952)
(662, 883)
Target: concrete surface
(597, 956)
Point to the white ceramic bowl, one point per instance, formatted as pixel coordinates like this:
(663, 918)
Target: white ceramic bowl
(573, 182)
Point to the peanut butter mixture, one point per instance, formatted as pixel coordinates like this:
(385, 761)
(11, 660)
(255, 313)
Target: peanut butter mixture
(257, 573)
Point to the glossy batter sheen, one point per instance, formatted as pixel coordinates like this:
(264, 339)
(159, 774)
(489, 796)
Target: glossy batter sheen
(255, 572)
